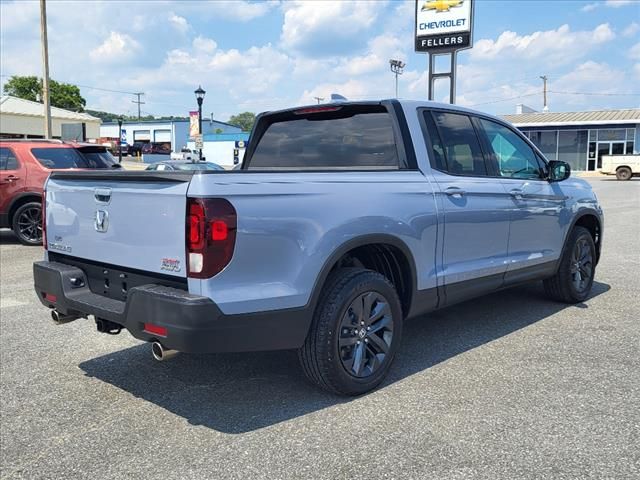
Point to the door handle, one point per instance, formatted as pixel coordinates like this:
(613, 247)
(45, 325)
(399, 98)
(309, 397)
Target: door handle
(455, 192)
(516, 193)
(12, 178)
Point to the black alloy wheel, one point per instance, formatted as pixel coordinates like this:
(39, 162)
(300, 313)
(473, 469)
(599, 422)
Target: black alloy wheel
(366, 332)
(27, 223)
(581, 265)
(577, 268)
(354, 334)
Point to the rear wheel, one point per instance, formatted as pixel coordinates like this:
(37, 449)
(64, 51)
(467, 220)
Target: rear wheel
(574, 279)
(27, 223)
(355, 332)
(624, 173)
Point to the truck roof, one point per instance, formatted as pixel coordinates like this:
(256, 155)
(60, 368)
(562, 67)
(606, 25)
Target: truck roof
(410, 104)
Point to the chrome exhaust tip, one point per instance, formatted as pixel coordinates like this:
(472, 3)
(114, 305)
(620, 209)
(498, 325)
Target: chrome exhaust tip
(160, 353)
(60, 318)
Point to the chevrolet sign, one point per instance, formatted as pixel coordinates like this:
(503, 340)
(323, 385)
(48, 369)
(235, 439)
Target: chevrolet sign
(443, 25)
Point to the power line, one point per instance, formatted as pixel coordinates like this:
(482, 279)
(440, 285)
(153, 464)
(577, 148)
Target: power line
(506, 99)
(601, 94)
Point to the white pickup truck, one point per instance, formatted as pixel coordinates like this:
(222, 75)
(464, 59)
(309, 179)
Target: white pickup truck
(622, 166)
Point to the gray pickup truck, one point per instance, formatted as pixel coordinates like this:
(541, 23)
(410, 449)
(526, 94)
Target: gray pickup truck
(345, 220)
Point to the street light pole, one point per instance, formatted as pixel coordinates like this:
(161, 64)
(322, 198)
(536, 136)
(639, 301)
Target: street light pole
(200, 97)
(119, 139)
(397, 67)
(45, 69)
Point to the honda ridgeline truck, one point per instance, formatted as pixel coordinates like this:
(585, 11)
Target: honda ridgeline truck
(345, 220)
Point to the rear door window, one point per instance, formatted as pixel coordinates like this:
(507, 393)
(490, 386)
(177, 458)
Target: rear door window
(8, 160)
(59, 158)
(340, 139)
(456, 148)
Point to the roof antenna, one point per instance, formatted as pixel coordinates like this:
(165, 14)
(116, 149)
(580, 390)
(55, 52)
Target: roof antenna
(336, 97)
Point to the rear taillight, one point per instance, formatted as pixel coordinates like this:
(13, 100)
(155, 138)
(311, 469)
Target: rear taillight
(210, 235)
(44, 220)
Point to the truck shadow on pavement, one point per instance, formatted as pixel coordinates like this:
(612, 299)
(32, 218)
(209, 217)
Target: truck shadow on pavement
(238, 393)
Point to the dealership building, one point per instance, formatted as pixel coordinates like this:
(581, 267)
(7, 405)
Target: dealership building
(173, 132)
(580, 138)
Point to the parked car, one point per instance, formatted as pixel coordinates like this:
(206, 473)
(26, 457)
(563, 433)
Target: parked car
(136, 148)
(183, 165)
(387, 210)
(184, 154)
(24, 168)
(624, 167)
(156, 148)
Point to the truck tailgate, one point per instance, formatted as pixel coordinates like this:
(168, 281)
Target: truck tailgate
(119, 218)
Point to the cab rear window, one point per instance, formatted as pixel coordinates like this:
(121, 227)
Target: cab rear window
(343, 138)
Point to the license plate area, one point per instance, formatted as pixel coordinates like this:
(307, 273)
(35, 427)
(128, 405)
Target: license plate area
(113, 281)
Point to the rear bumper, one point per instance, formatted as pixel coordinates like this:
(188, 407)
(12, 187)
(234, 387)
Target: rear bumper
(194, 324)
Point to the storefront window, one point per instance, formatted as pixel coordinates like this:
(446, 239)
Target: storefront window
(611, 135)
(547, 142)
(572, 148)
(631, 133)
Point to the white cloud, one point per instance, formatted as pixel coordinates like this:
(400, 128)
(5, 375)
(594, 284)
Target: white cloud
(118, 47)
(237, 10)
(608, 3)
(634, 52)
(203, 44)
(618, 3)
(557, 45)
(328, 26)
(179, 23)
(589, 7)
(631, 30)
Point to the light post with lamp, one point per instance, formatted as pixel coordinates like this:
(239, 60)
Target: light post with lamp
(200, 97)
(120, 140)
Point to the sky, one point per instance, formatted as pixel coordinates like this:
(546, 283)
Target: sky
(258, 56)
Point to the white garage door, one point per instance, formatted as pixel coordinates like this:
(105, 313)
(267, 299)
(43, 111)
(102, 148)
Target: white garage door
(162, 136)
(141, 135)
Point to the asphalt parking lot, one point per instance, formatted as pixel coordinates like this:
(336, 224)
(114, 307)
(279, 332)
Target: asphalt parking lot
(507, 386)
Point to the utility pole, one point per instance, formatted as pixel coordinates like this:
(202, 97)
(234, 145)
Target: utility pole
(45, 69)
(319, 99)
(139, 94)
(544, 79)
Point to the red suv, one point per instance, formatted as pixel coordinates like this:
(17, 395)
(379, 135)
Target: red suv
(25, 166)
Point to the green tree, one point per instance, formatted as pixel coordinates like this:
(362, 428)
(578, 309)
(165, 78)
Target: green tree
(63, 95)
(243, 120)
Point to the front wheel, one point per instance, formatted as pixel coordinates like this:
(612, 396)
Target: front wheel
(574, 279)
(624, 173)
(27, 223)
(355, 332)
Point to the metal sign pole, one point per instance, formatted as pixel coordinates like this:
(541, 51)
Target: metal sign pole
(452, 78)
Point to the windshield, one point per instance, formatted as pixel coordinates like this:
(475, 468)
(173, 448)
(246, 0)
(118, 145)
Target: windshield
(198, 166)
(97, 157)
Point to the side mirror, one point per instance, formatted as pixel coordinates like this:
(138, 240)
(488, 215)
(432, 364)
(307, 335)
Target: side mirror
(559, 171)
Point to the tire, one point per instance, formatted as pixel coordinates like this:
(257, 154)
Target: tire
(27, 223)
(574, 279)
(624, 173)
(342, 354)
